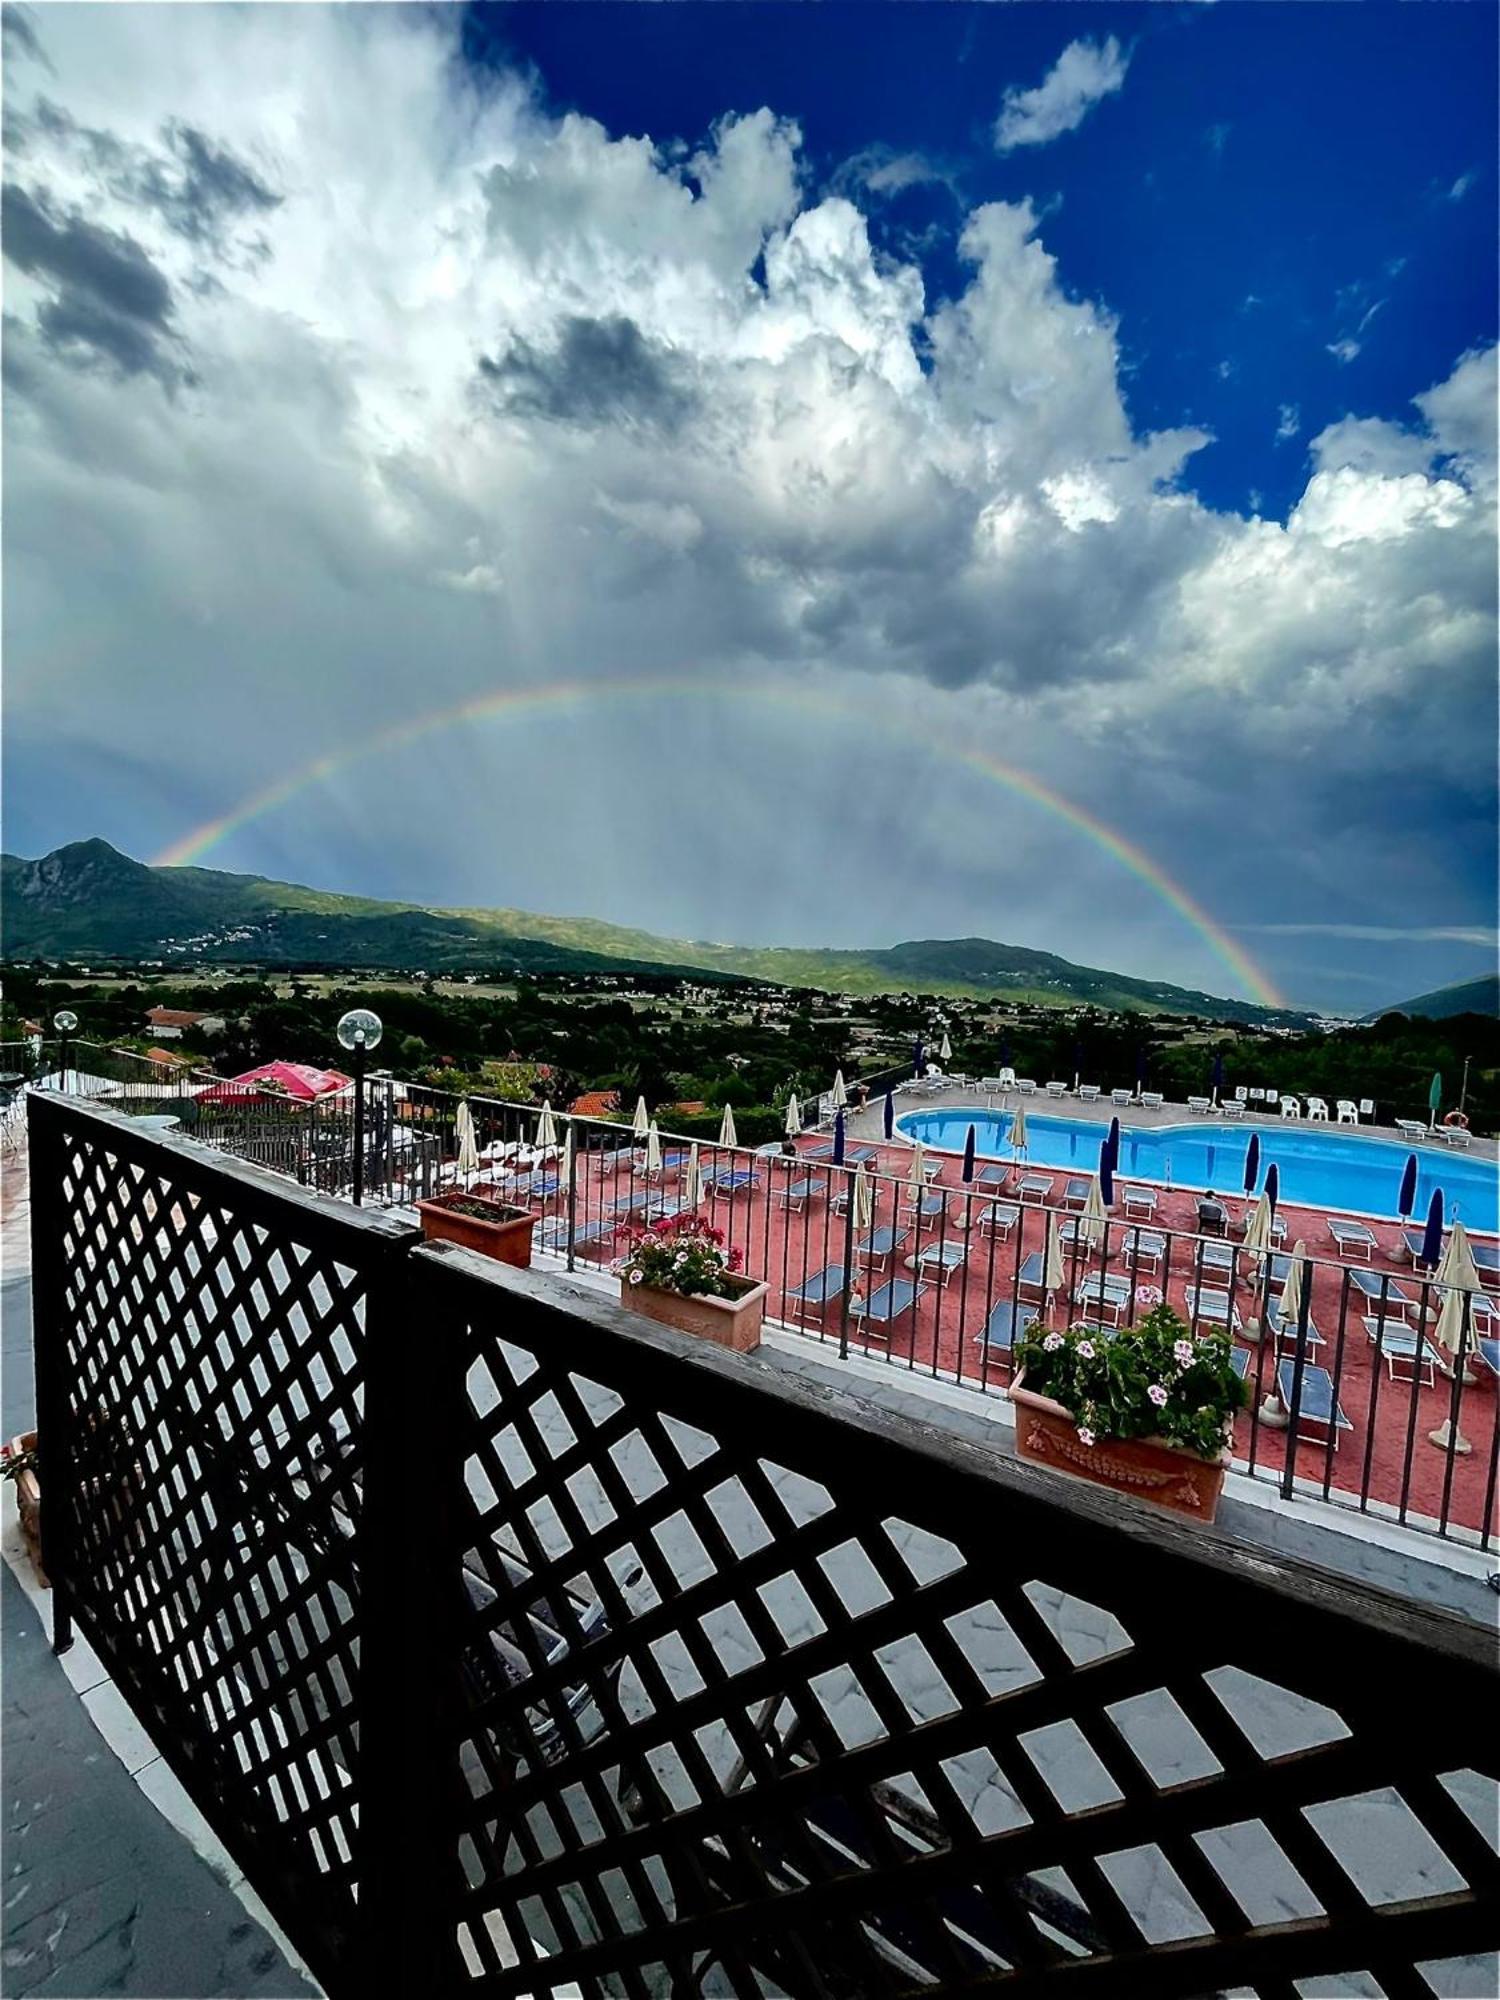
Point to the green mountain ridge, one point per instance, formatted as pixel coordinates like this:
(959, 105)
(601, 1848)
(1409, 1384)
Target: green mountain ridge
(1468, 996)
(89, 900)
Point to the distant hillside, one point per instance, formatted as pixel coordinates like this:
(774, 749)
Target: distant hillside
(1472, 996)
(90, 901)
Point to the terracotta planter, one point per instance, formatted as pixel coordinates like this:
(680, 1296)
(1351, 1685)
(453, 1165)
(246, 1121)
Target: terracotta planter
(503, 1233)
(28, 1503)
(1148, 1468)
(732, 1322)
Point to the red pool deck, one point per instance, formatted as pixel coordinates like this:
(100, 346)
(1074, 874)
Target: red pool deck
(1384, 1455)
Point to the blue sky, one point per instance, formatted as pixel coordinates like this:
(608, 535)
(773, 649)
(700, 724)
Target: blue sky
(841, 398)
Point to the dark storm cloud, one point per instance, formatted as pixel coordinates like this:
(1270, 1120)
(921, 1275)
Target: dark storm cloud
(19, 36)
(111, 299)
(601, 371)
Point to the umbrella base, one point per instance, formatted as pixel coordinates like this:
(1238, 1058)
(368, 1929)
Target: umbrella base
(1446, 1438)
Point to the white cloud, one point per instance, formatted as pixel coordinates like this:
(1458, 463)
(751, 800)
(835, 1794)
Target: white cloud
(1288, 422)
(1083, 74)
(1486, 937)
(494, 397)
(1343, 349)
(1461, 186)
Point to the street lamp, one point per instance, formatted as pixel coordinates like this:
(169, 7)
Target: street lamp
(359, 1031)
(65, 1021)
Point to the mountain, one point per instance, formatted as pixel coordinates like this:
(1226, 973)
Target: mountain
(1472, 996)
(90, 901)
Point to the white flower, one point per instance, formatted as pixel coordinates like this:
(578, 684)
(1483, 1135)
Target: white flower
(1085, 1436)
(635, 1277)
(1086, 1350)
(1157, 1394)
(1182, 1352)
(1051, 1344)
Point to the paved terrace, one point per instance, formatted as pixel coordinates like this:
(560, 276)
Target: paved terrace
(1383, 1461)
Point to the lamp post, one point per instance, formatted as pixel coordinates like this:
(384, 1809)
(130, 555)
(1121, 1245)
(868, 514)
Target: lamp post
(65, 1021)
(359, 1031)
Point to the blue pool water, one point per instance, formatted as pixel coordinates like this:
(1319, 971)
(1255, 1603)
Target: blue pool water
(1320, 1165)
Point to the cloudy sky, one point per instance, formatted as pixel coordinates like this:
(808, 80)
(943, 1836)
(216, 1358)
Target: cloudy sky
(917, 471)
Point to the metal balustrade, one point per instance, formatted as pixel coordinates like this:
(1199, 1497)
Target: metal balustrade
(516, 1645)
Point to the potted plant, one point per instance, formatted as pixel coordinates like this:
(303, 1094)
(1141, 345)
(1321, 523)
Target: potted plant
(18, 1464)
(677, 1272)
(479, 1222)
(1145, 1409)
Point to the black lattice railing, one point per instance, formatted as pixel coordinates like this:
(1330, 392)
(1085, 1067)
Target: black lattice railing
(519, 1646)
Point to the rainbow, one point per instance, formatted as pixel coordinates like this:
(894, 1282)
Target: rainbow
(558, 698)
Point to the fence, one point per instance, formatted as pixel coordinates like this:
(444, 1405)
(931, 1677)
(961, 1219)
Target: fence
(515, 1645)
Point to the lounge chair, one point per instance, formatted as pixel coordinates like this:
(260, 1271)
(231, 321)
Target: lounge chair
(1318, 1409)
(1317, 1110)
(1347, 1111)
(1152, 1100)
(1029, 1277)
(1290, 1108)
(896, 1296)
(1240, 1359)
(938, 1259)
(990, 1084)
(1120, 1098)
(994, 1176)
(1025, 1086)
(797, 1194)
(1142, 1250)
(1412, 1243)
(1139, 1200)
(1088, 1093)
(1201, 1105)
(1035, 1187)
(855, 1154)
(1006, 1324)
(1488, 1352)
(998, 1219)
(810, 1299)
(1455, 1135)
(1056, 1089)
(1104, 1294)
(1353, 1238)
(1216, 1258)
(822, 1151)
(1207, 1302)
(1399, 1345)
(1075, 1193)
(1285, 1330)
(872, 1250)
(739, 1180)
(1077, 1229)
(1232, 1107)
(1412, 1129)
(1382, 1291)
(927, 1209)
(553, 1234)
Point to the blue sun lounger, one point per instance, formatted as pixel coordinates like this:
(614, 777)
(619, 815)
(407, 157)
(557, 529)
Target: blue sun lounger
(1240, 1359)
(734, 1182)
(1318, 1408)
(855, 1154)
(995, 1176)
(1030, 1273)
(879, 1245)
(930, 1205)
(1005, 1325)
(808, 1300)
(1075, 1193)
(1375, 1288)
(797, 1194)
(895, 1297)
(553, 1234)
(1489, 1355)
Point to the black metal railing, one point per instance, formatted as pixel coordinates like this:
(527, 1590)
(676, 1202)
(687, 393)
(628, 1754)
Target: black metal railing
(515, 1645)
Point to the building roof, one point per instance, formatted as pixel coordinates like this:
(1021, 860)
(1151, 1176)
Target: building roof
(175, 1017)
(595, 1104)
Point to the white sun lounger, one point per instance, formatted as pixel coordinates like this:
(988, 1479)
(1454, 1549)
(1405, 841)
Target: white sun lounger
(1056, 1089)
(1152, 1100)
(1088, 1093)
(998, 1219)
(1026, 1086)
(1397, 1344)
(1455, 1135)
(1119, 1098)
(1139, 1200)
(1411, 1128)
(1205, 1303)
(1035, 1187)
(1200, 1105)
(1354, 1238)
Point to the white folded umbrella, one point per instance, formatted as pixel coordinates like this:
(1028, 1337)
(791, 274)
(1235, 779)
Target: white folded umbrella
(1258, 1228)
(692, 1180)
(727, 1134)
(468, 1145)
(1458, 1272)
(1297, 1275)
(641, 1123)
(546, 1127)
(793, 1116)
(1053, 1275)
(565, 1172)
(653, 1149)
(838, 1097)
(862, 1200)
(1091, 1228)
(945, 1050)
(918, 1175)
(1018, 1130)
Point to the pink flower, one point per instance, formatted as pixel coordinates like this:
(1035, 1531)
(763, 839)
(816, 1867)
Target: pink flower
(1085, 1436)
(1086, 1352)
(1157, 1394)
(635, 1277)
(1051, 1344)
(1182, 1353)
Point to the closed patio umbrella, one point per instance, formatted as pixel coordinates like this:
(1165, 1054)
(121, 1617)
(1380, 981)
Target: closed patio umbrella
(1018, 1130)
(969, 1149)
(1432, 1235)
(1435, 1097)
(1217, 1080)
(1252, 1163)
(640, 1125)
(838, 1139)
(862, 1199)
(917, 1178)
(793, 1116)
(1258, 1228)
(692, 1180)
(468, 1145)
(1273, 1186)
(838, 1097)
(1112, 1140)
(727, 1134)
(890, 1114)
(1459, 1273)
(1406, 1198)
(546, 1128)
(917, 1055)
(945, 1050)
(1077, 1065)
(566, 1171)
(1140, 1071)
(1298, 1274)
(1094, 1215)
(1106, 1176)
(653, 1149)
(1053, 1275)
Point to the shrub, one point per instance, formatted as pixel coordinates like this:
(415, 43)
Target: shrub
(1153, 1379)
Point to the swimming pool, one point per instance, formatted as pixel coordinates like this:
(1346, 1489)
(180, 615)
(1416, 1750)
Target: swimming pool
(1319, 1165)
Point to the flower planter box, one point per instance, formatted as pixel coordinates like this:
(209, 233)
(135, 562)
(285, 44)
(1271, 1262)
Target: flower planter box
(733, 1322)
(1148, 1468)
(502, 1232)
(28, 1503)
